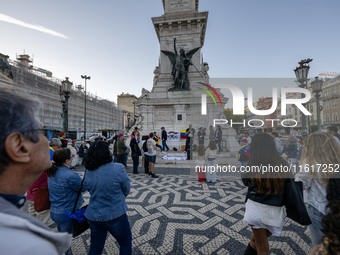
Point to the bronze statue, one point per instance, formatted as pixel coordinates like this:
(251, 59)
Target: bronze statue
(180, 66)
(305, 61)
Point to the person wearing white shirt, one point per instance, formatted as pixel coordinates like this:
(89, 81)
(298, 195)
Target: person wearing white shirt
(151, 153)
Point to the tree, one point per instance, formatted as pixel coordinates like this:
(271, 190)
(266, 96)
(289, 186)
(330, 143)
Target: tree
(228, 112)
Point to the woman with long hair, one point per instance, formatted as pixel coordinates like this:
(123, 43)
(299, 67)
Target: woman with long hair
(63, 186)
(320, 154)
(265, 212)
(108, 185)
(331, 222)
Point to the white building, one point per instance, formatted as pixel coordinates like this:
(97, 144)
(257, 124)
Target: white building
(101, 115)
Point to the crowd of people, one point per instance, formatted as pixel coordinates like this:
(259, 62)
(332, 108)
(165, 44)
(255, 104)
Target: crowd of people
(314, 161)
(29, 161)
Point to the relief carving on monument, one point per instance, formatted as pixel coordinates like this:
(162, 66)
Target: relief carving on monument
(156, 75)
(145, 93)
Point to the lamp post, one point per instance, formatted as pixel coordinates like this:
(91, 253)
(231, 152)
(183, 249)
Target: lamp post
(317, 88)
(86, 78)
(65, 92)
(301, 73)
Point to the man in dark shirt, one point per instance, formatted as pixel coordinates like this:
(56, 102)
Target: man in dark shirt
(164, 136)
(190, 133)
(201, 134)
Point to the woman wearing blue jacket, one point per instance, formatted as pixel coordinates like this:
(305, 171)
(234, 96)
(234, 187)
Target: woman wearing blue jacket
(108, 185)
(63, 186)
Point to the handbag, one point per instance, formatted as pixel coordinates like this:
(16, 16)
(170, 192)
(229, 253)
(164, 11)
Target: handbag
(41, 199)
(78, 219)
(293, 201)
(79, 222)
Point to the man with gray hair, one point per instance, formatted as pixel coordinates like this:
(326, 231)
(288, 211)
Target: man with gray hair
(55, 143)
(24, 155)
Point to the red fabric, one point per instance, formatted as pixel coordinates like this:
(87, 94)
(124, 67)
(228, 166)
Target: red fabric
(41, 182)
(201, 175)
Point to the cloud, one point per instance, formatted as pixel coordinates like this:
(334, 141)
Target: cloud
(45, 30)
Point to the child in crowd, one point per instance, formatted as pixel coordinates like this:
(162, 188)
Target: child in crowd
(244, 152)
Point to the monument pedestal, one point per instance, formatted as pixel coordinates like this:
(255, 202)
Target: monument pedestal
(182, 26)
(175, 110)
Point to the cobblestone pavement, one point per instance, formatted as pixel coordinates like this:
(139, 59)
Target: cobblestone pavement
(175, 214)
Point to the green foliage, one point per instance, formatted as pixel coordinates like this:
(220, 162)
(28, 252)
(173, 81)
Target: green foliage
(228, 112)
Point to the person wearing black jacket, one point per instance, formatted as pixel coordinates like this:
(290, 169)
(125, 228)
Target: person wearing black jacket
(135, 153)
(164, 137)
(291, 150)
(82, 152)
(265, 212)
(121, 150)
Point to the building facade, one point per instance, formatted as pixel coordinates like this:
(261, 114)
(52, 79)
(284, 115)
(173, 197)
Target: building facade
(261, 122)
(330, 98)
(127, 103)
(329, 109)
(102, 115)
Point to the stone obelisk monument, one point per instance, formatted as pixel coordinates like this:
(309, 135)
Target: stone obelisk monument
(175, 99)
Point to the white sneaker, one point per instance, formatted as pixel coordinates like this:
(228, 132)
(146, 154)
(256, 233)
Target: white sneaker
(163, 151)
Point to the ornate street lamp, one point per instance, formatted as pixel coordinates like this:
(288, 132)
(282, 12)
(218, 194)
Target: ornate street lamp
(86, 78)
(301, 73)
(317, 88)
(65, 92)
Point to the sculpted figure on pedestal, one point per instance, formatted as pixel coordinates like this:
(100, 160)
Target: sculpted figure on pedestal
(204, 72)
(156, 73)
(180, 66)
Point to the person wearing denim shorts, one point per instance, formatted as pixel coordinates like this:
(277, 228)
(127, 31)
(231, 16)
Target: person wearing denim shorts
(151, 153)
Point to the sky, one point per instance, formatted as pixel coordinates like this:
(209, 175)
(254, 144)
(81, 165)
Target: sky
(115, 43)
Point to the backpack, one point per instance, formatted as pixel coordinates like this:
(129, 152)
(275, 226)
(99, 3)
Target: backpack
(145, 146)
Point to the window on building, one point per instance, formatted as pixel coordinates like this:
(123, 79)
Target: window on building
(334, 103)
(179, 116)
(327, 117)
(327, 105)
(335, 117)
